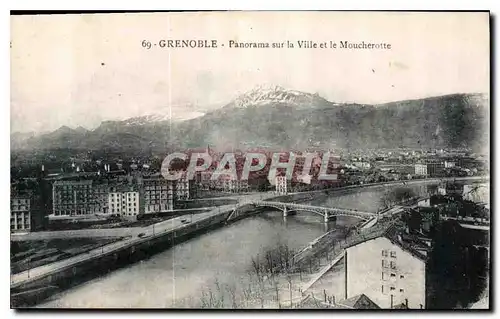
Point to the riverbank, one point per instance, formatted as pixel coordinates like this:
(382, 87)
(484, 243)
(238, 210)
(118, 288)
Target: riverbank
(68, 273)
(176, 267)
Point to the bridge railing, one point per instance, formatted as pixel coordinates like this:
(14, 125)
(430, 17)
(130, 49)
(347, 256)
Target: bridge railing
(332, 246)
(311, 207)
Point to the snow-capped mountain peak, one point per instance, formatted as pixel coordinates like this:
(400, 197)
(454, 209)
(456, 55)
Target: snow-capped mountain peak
(273, 94)
(159, 117)
(145, 119)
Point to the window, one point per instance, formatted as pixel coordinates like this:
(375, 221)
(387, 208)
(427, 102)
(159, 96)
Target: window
(393, 275)
(401, 290)
(393, 288)
(382, 288)
(393, 265)
(384, 253)
(401, 276)
(393, 254)
(384, 263)
(384, 276)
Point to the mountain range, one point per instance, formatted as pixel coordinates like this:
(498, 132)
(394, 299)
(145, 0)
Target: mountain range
(274, 117)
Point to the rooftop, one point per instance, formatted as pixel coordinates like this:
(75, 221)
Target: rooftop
(392, 230)
(359, 302)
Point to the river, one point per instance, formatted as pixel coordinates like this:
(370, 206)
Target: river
(177, 277)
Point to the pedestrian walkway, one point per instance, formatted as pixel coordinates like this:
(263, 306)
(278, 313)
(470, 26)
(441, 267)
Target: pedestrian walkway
(320, 274)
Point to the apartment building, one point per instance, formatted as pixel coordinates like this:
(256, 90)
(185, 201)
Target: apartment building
(20, 213)
(421, 169)
(124, 202)
(81, 197)
(449, 164)
(158, 195)
(387, 271)
(282, 185)
(183, 188)
(229, 184)
(74, 198)
(101, 192)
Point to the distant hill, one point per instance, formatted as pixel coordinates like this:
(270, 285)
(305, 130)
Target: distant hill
(279, 118)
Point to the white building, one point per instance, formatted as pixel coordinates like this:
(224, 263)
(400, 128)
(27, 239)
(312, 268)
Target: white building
(182, 189)
(448, 164)
(20, 213)
(124, 203)
(424, 202)
(441, 190)
(421, 169)
(362, 164)
(387, 272)
(282, 185)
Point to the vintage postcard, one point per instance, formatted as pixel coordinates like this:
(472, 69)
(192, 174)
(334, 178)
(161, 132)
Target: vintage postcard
(250, 160)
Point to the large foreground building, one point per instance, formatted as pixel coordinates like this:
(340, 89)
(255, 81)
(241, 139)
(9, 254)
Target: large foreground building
(387, 270)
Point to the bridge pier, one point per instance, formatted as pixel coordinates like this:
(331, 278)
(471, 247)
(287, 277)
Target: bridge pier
(285, 212)
(327, 218)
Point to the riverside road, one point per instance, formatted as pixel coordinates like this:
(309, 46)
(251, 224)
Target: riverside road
(178, 276)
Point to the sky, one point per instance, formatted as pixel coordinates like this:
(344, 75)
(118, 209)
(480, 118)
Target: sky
(79, 70)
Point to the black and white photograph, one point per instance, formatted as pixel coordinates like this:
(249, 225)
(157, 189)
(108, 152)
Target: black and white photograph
(250, 160)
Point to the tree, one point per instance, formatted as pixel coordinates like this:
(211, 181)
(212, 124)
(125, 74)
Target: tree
(396, 196)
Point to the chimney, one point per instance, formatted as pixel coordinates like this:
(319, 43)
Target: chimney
(406, 303)
(392, 301)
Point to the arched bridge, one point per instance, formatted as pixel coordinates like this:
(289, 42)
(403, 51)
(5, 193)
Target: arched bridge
(286, 208)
